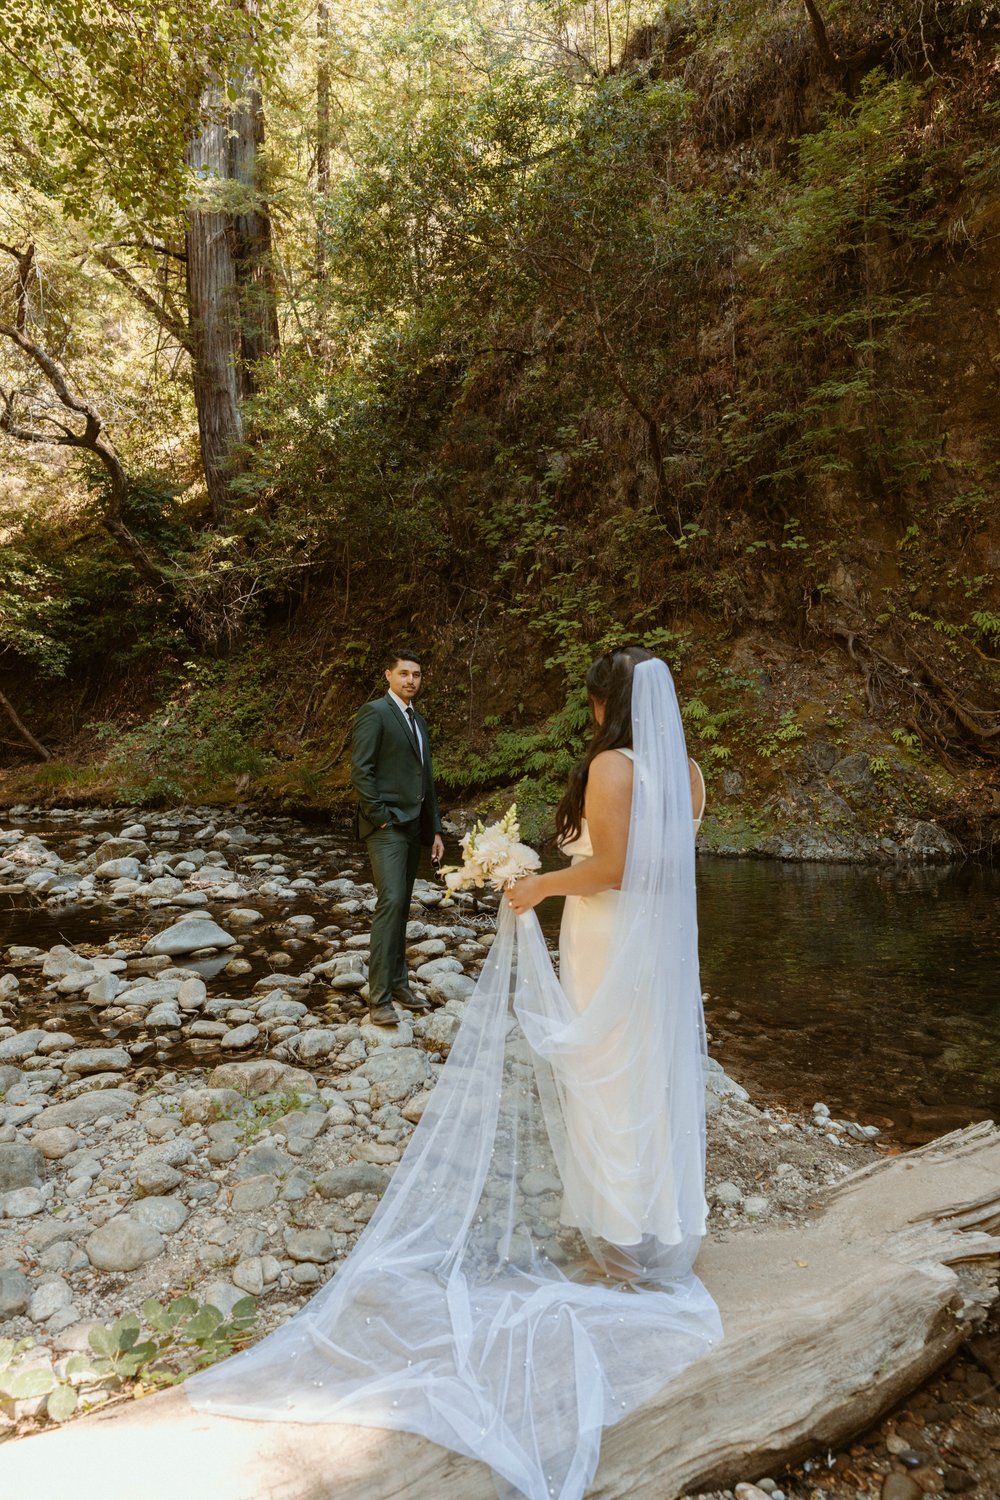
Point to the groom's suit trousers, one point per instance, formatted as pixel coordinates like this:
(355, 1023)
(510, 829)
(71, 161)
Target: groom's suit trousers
(394, 853)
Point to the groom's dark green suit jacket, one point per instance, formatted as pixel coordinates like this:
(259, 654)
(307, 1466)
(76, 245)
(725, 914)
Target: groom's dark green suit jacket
(392, 783)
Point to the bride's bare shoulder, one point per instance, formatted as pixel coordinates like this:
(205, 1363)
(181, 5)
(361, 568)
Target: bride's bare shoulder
(610, 769)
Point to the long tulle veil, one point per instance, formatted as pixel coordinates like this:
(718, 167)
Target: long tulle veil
(463, 1313)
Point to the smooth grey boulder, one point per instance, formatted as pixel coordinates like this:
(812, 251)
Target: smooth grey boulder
(20, 1166)
(155, 1178)
(192, 932)
(261, 1076)
(22, 1045)
(396, 1072)
(15, 1292)
(126, 868)
(97, 1060)
(114, 1103)
(240, 1036)
(356, 1177)
(123, 1244)
(254, 1194)
(163, 1214)
(311, 1244)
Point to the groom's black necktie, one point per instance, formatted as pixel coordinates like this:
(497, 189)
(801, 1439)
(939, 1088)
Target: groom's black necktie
(411, 720)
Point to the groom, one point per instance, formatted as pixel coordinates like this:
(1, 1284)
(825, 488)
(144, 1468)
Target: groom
(397, 811)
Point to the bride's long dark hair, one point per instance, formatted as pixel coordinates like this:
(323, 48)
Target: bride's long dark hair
(608, 681)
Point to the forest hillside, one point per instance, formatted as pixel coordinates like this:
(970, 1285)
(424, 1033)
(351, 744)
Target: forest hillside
(510, 333)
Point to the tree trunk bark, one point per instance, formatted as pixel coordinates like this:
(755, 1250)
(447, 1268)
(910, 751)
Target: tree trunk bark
(231, 302)
(251, 240)
(322, 129)
(213, 312)
(22, 728)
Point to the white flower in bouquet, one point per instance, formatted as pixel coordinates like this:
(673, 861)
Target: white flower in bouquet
(493, 854)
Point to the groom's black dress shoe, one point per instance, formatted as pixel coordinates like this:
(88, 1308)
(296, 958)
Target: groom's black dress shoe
(411, 1001)
(383, 1015)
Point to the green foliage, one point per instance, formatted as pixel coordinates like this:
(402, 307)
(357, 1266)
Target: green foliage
(208, 732)
(161, 1347)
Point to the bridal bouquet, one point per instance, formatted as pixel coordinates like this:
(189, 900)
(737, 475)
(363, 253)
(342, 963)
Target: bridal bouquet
(493, 855)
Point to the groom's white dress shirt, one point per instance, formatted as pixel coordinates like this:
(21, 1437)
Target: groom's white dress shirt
(404, 709)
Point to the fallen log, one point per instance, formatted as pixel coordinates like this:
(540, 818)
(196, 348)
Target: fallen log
(828, 1324)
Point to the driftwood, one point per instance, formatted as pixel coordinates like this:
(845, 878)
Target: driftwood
(828, 1324)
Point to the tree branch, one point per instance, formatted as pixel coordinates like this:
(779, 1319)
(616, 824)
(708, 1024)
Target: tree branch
(91, 439)
(23, 729)
(827, 55)
(166, 320)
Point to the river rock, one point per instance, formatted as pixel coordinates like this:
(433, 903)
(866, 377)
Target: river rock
(265, 1159)
(202, 1106)
(189, 934)
(164, 1214)
(261, 1076)
(123, 1244)
(164, 1017)
(105, 990)
(113, 1103)
(22, 1203)
(441, 1029)
(311, 1244)
(15, 1292)
(414, 1108)
(727, 1193)
(395, 1072)
(9, 986)
(119, 869)
(254, 1194)
(244, 916)
(50, 1298)
(248, 1275)
(452, 986)
(20, 1166)
(355, 1177)
(23, 1044)
(223, 1296)
(154, 1178)
(315, 1044)
(379, 1152)
(96, 1060)
(240, 1036)
(125, 846)
(192, 994)
(56, 1142)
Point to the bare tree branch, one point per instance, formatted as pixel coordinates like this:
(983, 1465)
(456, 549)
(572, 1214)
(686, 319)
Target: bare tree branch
(23, 729)
(160, 312)
(827, 55)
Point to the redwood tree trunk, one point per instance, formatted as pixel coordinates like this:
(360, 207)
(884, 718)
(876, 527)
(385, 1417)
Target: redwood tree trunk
(213, 311)
(251, 239)
(322, 127)
(231, 303)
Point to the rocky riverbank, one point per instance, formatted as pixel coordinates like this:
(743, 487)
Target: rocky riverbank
(195, 1105)
(162, 1134)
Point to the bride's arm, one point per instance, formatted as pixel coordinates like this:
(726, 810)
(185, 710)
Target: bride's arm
(609, 803)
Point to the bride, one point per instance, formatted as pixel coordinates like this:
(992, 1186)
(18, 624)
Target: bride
(526, 1278)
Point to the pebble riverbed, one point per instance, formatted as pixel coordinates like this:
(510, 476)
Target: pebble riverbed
(192, 1098)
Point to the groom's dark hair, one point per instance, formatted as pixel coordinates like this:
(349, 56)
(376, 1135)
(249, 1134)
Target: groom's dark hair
(392, 657)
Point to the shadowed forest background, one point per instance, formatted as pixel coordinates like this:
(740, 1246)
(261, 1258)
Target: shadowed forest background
(508, 332)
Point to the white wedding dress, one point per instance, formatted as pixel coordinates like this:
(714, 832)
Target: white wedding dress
(460, 1314)
(605, 1194)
